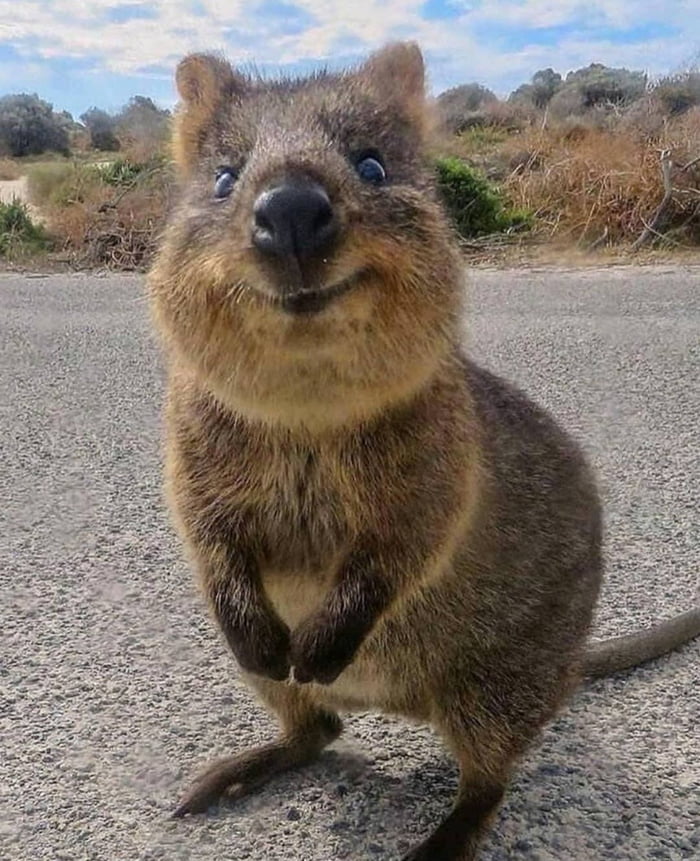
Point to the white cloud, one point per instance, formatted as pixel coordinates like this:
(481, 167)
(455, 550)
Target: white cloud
(48, 29)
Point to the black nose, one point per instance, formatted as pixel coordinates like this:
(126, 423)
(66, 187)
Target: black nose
(293, 219)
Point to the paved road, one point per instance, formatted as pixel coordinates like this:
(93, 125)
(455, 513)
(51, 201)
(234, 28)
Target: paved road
(114, 686)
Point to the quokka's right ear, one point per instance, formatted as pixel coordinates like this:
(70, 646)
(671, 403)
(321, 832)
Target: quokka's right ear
(205, 83)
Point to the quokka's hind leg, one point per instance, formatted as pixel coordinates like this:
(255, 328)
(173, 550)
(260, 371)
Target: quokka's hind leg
(458, 836)
(486, 752)
(306, 729)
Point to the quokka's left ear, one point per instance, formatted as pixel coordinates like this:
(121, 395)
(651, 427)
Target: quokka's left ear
(397, 71)
(207, 84)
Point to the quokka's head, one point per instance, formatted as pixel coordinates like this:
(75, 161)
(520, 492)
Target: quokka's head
(308, 275)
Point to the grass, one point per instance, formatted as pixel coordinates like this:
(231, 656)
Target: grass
(52, 183)
(14, 168)
(20, 237)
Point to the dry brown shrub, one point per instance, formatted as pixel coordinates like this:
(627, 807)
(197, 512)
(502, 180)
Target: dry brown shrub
(142, 148)
(68, 217)
(645, 119)
(116, 227)
(513, 116)
(125, 235)
(684, 132)
(587, 186)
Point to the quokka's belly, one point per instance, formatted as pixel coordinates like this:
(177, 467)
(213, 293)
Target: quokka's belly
(373, 680)
(376, 682)
(295, 595)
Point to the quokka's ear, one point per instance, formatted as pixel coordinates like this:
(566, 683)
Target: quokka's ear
(205, 83)
(397, 72)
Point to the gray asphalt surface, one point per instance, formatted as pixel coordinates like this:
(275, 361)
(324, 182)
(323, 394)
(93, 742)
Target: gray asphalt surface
(115, 687)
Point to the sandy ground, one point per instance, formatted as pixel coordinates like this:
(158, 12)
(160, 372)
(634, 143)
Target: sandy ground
(13, 188)
(115, 687)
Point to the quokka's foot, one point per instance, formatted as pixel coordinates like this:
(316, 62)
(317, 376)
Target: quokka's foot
(231, 777)
(236, 776)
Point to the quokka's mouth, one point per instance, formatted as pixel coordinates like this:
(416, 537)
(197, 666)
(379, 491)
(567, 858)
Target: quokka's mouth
(314, 301)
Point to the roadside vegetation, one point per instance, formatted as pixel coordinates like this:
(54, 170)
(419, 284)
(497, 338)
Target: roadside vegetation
(20, 237)
(600, 158)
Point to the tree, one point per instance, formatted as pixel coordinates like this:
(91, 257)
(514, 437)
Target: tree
(29, 126)
(601, 85)
(142, 127)
(458, 106)
(597, 88)
(543, 85)
(102, 127)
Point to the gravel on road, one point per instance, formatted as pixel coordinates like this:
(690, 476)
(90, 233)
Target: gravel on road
(115, 686)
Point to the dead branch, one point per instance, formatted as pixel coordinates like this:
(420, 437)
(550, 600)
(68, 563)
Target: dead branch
(651, 229)
(657, 234)
(493, 241)
(601, 240)
(690, 164)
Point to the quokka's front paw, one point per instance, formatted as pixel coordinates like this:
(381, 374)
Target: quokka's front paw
(320, 651)
(263, 648)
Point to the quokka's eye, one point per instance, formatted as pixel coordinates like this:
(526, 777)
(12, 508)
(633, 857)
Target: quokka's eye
(370, 169)
(225, 180)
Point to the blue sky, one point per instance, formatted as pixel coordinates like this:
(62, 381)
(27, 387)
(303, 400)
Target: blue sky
(79, 53)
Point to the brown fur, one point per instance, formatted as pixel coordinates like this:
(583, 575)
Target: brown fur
(363, 504)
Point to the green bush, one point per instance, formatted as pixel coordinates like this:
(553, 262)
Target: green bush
(120, 172)
(18, 233)
(481, 137)
(473, 204)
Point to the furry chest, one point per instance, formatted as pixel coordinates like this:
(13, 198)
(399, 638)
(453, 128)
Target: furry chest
(301, 519)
